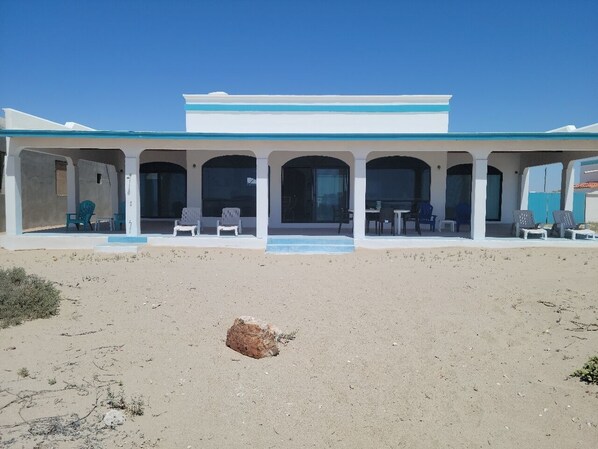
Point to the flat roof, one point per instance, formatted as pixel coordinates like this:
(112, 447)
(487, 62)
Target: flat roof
(183, 135)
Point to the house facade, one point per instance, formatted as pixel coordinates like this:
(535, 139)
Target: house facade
(289, 162)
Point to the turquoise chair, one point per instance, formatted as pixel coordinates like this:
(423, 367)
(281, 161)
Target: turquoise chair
(82, 217)
(119, 218)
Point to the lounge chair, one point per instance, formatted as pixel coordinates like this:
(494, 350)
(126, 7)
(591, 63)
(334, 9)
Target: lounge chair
(524, 223)
(564, 224)
(230, 221)
(190, 221)
(82, 217)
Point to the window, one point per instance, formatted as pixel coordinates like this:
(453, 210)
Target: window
(397, 181)
(229, 181)
(60, 178)
(458, 190)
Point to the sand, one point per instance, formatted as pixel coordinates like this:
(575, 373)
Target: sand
(451, 348)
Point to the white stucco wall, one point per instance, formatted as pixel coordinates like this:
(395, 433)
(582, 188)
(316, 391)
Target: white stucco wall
(342, 114)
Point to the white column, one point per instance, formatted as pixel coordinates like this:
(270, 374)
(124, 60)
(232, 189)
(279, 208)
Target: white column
(72, 186)
(359, 181)
(261, 198)
(133, 208)
(567, 186)
(12, 190)
(438, 186)
(479, 181)
(523, 201)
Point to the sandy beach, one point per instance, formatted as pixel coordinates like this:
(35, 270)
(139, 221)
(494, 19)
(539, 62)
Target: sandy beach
(451, 348)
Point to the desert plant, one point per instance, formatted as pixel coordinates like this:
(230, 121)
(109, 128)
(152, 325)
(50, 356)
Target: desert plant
(135, 406)
(25, 297)
(589, 372)
(52, 381)
(116, 400)
(23, 372)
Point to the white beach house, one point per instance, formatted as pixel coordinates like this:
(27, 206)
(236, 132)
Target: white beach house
(289, 162)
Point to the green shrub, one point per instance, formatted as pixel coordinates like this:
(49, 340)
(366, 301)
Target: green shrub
(589, 372)
(25, 297)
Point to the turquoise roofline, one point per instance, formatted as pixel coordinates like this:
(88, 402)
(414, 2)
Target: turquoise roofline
(181, 135)
(343, 108)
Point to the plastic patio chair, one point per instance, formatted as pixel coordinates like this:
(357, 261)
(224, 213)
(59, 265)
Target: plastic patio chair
(462, 215)
(119, 217)
(564, 223)
(190, 221)
(426, 216)
(230, 221)
(342, 215)
(524, 223)
(82, 217)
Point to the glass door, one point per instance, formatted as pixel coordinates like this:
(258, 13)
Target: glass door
(331, 192)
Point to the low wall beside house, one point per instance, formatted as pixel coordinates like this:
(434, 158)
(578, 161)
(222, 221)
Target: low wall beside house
(542, 204)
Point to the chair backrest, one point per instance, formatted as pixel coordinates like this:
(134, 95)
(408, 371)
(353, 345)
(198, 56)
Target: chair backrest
(425, 211)
(387, 215)
(190, 215)
(86, 208)
(230, 216)
(463, 213)
(564, 218)
(524, 219)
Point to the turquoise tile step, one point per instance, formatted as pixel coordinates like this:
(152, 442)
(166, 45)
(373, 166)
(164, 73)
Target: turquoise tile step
(310, 245)
(126, 239)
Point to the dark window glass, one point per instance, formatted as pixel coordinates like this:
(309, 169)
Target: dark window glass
(397, 181)
(229, 181)
(163, 190)
(313, 188)
(458, 190)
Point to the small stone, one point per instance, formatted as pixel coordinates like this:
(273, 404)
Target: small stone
(114, 418)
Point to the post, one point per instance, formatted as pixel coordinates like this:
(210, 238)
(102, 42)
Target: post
(567, 186)
(479, 182)
(261, 198)
(72, 186)
(359, 181)
(524, 199)
(132, 198)
(13, 205)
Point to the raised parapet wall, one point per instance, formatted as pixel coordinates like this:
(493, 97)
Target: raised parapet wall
(20, 120)
(219, 112)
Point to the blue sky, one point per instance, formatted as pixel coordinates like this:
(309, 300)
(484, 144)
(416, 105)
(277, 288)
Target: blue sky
(510, 65)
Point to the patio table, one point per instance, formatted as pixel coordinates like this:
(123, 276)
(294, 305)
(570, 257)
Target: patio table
(398, 213)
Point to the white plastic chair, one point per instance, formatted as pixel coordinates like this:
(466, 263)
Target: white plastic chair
(190, 221)
(230, 221)
(564, 224)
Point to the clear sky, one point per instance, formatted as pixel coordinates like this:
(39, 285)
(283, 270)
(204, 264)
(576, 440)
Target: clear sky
(510, 65)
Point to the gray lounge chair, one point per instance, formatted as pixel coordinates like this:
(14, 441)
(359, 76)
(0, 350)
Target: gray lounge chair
(190, 221)
(524, 223)
(230, 221)
(564, 224)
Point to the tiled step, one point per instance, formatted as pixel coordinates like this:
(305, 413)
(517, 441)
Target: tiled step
(310, 245)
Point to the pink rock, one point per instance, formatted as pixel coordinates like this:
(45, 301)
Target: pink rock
(253, 338)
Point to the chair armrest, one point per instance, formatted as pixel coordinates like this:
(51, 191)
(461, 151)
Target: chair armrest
(218, 222)
(176, 222)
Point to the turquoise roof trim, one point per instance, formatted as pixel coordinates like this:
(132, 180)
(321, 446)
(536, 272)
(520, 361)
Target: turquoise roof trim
(343, 108)
(181, 135)
(592, 162)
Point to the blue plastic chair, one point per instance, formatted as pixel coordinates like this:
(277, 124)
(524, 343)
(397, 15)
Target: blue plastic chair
(119, 218)
(83, 216)
(426, 216)
(463, 214)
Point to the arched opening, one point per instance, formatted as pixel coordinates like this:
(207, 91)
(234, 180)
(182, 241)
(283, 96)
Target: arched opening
(458, 190)
(397, 181)
(312, 188)
(229, 181)
(163, 189)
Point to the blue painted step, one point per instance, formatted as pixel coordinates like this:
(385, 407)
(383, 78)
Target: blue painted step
(126, 239)
(310, 245)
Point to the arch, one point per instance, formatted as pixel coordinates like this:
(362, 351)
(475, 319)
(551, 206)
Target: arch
(312, 188)
(163, 189)
(397, 181)
(458, 190)
(228, 181)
